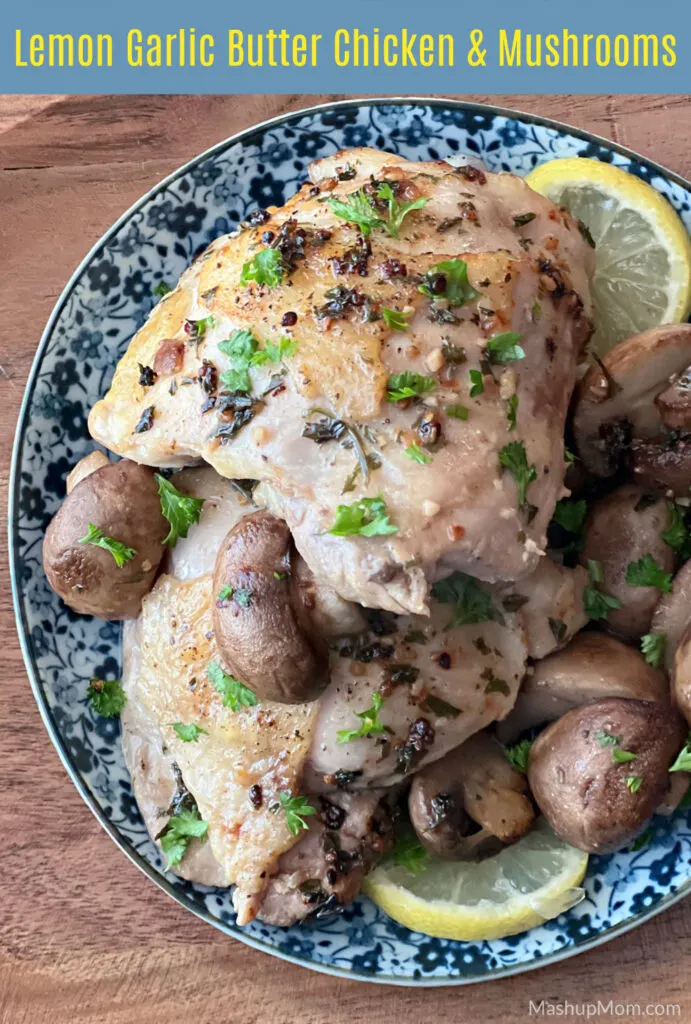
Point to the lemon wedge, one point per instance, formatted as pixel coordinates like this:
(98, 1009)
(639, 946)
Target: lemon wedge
(528, 883)
(642, 249)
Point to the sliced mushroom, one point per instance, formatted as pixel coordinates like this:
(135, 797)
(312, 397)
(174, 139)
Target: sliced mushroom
(598, 773)
(681, 681)
(592, 667)
(616, 400)
(89, 464)
(621, 529)
(663, 463)
(472, 784)
(550, 605)
(672, 614)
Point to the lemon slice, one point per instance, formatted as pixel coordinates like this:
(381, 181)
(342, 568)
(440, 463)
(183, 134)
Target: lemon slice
(526, 884)
(642, 249)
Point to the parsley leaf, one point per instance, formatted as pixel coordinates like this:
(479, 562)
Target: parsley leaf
(620, 756)
(106, 697)
(471, 600)
(275, 353)
(606, 739)
(296, 810)
(518, 755)
(504, 348)
(570, 515)
(369, 722)
(120, 552)
(189, 733)
(197, 328)
(597, 604)
(365, 518)
(243, 596)
(647, 573)
(634, 783)
(676, 535)
(415, 452)
(266, 267)
(397, 211)
(176, 836)
(458, 289)
(408, 385)
(408, 852)
(358, 209)
(641, 841)
(235, 694)
(243, 349)
(161, 289)
(477, 383)
(396, 320)
(683, 761)
(511, 411)
(225, 593)
(179, 509)
(513, 457)
(653, 648)
(457, 412)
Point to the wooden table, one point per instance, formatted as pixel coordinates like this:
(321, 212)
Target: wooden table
(84, 937)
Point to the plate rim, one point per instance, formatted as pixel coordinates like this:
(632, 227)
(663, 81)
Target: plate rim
(13, 553)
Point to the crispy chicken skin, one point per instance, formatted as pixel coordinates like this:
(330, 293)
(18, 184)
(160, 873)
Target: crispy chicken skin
(459, 511)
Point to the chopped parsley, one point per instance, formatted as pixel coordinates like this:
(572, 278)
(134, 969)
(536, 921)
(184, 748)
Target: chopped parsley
(106, 697)
(457, 288)
(676, 536)
(235, 694)
(653, 648)
(365, 518)
(457, 412)
(606, 739)
(296, 809)
(683, 761)
(369, 722)
(597, 604)
(415, 452)
(634, 783)
(120, 552)
(641, 841)
(396, 320)
(161, 289)
(518, 755)
(647, 573)
(620, 756)
(513, 457)
(570, 515)
(266, 267)
(188, 733)
(225, 593)
(408, 852)
(397, 211)
(181, 828)
(477, 383)
(408, 384)
(504, 348)
(511, 411)
(243, 349)
(358, 208)
(471, 601)
(243, 596)
(179, 509)
(197, 328)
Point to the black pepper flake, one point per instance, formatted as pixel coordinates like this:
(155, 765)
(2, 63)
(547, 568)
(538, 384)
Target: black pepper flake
(147, 376)
(146, 420)
(420, 739)
(289, 319)
(342, 301)
(444, 660)
(332, 815)
(256, 796)
(268, 237)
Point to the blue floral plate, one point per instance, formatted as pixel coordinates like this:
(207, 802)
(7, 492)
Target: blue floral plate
(104, 303)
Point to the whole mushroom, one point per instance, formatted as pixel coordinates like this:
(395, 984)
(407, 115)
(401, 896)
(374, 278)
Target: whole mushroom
(599, 772)
(681, 678)
(117, 506)
(672, 614)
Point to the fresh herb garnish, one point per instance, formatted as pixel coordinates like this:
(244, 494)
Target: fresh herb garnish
(477, 383)
(198, 328)
(181, 828)
(106, 697)
(457, 412)
(242, 596)
(514, 458)
(683, 761)
(266, 267)
(369, 722)
(179, 509)
(441, 708)
(676, 535)
(120, 552)
(161, 289)
(620, 756)
(275, 353)
(471, 601)
(358, 209)
(408, 852)
(457, 288)
(397, 211)
(647, 573)
(597, 603)
(504, 348)
(606, 739)
(653, 648)
(225, 593)
(518, 755)
(634, 783)
(189, 733)
(395, 320)
(296, 809)
(235, 694)
(408, 385)
(641, 841)
(415, 452)
(570, 515)
(365, 518)
(511, 411)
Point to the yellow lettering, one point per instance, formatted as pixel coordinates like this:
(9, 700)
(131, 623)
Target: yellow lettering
(341, 53)
(587, 39)
(134, 48)
(206, 51)
(315, 39)
(407, 43)
(18, 62)
(669, 46)
(621, 51)
(445, 41)
(61, 47)
(85, 51)
(390, 43)
(647, 43)
(36, 49)
(602, 51)
(552, 51)
(154, 51)
(104, 44)
(533, 50)
(509, 57)
(236, 52)
(426, 51)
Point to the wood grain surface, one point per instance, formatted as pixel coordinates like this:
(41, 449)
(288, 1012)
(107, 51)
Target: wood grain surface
(84, 937)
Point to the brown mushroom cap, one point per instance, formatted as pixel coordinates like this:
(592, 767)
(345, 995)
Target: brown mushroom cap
(121, 499)
(85, 467)
(616, 398)
(474, 781)
(264, 632)
(681, 681)
(620, 529)
(672, 613)
(592, 667)
(662, 463)
(580, 788)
